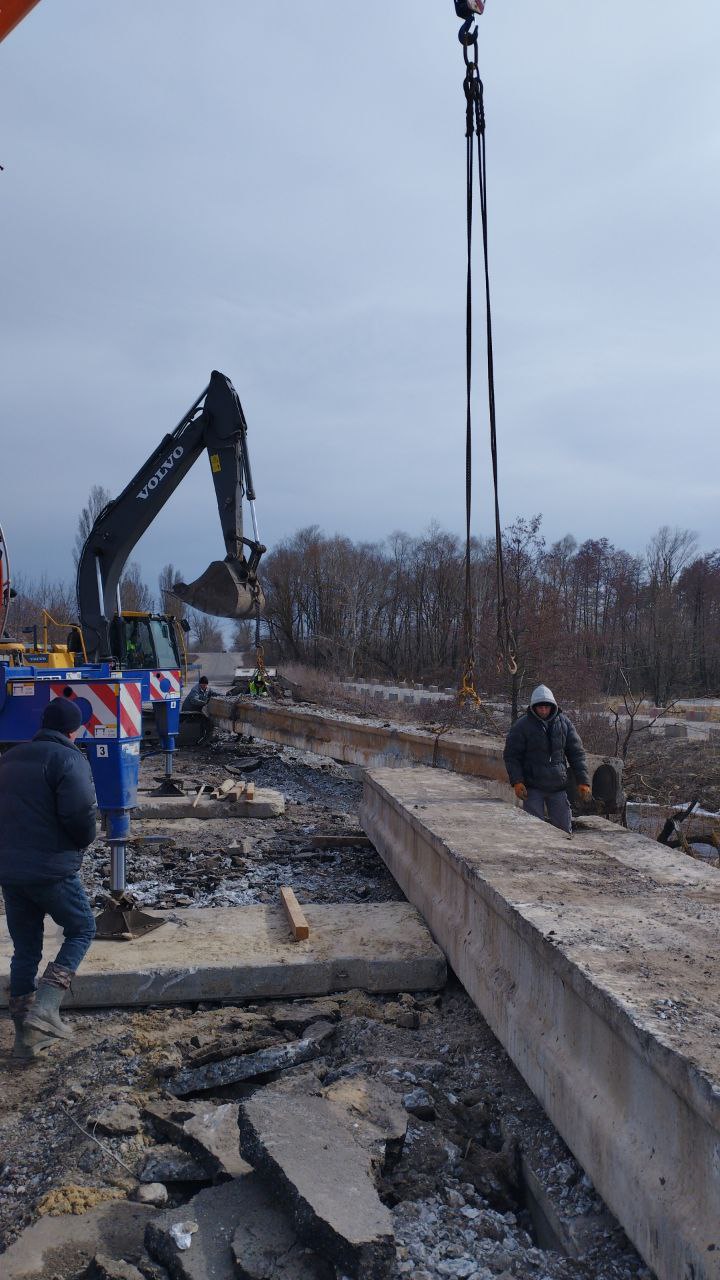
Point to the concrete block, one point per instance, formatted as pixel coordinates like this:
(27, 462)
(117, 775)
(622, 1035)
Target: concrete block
(248, 953)
(265, 804)
(675, 731)
(588, 956)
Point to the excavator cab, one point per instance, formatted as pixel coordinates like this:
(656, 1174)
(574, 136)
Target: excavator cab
(145, 641)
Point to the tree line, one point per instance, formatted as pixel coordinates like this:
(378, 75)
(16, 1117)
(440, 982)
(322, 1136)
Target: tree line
(589, 617)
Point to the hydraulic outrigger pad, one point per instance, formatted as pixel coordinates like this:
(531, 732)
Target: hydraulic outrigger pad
(122, 920)
(225, 589)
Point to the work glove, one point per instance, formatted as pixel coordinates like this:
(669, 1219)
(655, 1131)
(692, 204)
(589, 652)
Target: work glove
(584, 791)
(520, 790)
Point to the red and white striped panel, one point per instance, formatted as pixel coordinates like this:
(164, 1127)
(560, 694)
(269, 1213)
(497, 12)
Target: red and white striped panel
(103, 699)
(164, 685)
(131, 709)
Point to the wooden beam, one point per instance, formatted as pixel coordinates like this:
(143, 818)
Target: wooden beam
(298, 923)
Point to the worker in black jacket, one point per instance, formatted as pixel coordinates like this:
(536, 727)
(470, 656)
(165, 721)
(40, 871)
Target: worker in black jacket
(47, 818)
(538, 749)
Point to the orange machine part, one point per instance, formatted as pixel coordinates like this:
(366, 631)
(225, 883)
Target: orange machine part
(12, 12)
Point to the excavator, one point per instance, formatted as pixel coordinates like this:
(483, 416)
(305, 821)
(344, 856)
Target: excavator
(228, 588)
(152, 644)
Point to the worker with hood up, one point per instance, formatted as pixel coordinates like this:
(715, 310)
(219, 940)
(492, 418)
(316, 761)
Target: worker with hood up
(538, 750)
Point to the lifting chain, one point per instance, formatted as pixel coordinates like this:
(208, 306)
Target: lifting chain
(475, 135)
(260, 669)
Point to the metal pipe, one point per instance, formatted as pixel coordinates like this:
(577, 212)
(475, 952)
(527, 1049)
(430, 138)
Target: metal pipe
(118, 868)
(100, 587)
(251, 504)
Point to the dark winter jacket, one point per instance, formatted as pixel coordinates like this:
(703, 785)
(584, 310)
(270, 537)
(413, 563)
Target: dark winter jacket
(198, 697)
(47, 809)
(537, 752)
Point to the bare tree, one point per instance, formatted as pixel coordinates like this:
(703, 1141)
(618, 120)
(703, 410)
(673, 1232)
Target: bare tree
(633, 706)
(169, 603)
(205, 633)
(98, 500)
(135, 595)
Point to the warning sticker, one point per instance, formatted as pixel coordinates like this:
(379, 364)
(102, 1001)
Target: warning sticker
(105, 731)
(22, 690)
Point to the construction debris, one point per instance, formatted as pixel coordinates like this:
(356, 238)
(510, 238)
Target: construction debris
(240, 1231)
(453, 1206)
(207, 1131)
(309, 1158)
(168, 1163)
(250, 1066)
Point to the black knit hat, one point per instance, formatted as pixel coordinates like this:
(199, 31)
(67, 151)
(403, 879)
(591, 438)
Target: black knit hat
(63, 715)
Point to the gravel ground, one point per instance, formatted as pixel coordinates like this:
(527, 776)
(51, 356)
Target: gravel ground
(459, 1194)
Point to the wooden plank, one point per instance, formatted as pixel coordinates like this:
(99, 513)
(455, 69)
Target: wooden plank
(200, 791)
(250, 791)
(298, 923)
(337, 842)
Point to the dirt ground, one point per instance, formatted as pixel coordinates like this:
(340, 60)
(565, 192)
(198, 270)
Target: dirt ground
(460, 1194)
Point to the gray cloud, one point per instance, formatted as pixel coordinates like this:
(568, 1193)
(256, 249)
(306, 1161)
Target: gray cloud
(279, 194)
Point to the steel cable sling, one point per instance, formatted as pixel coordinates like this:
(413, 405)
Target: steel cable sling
(475, 134)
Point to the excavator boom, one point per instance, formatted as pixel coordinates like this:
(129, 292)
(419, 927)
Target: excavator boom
(228, 588)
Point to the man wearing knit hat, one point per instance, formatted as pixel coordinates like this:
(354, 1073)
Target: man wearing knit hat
(538, 749)
(47, 818)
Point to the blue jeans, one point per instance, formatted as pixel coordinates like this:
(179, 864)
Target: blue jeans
(559, 812)
(26, 906)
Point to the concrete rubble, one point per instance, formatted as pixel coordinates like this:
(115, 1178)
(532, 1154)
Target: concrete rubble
(208, 1131)
(72, 1241)
(240, 1231)
(251, 1065)
(310, 1157)
(168, 1163)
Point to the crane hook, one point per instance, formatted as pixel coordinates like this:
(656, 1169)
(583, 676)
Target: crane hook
(469, 10)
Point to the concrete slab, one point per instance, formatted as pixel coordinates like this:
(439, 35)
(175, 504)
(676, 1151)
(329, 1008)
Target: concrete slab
(373, 743)
(593, 958)
(247, 953)
(265, 804)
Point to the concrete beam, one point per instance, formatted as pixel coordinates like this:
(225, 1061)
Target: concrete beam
(593, 960)
(248, 953)
(371, 743)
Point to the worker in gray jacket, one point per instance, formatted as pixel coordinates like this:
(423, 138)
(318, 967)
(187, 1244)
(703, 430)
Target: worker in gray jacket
(538, 749)
(47, 818)
(199, 695)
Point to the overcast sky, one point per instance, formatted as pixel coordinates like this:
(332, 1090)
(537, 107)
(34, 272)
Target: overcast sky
(278, 192)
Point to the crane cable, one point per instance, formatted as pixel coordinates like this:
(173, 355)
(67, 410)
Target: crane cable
(475, 130)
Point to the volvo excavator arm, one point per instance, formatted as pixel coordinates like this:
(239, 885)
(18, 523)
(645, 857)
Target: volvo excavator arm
(229, 588)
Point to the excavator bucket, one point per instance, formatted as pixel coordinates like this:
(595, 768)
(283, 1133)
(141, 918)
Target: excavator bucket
(224, 590)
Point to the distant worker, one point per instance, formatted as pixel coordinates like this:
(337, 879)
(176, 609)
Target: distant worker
(257, 685)
(538, 749)
(199, 695)
(47, 819)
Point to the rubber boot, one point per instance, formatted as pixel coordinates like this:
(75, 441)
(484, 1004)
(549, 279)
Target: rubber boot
(29, 1042)
(45, 1012)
